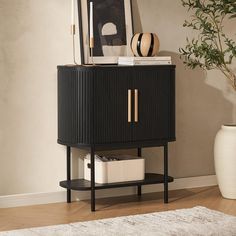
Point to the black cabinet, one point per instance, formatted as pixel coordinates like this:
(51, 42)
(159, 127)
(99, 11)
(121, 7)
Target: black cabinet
(95, 104)
(112, 107)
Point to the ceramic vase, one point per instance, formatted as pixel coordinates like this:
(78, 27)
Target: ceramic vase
(145, 44)
(225, 160)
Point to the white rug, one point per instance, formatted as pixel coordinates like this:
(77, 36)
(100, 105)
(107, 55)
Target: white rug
(186, 222)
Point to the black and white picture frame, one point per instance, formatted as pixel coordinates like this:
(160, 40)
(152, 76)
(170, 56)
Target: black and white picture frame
(112, 27)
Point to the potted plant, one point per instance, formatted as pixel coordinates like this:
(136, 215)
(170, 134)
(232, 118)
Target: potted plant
(213, 49)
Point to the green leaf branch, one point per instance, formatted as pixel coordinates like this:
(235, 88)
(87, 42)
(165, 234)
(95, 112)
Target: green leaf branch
(212, 49)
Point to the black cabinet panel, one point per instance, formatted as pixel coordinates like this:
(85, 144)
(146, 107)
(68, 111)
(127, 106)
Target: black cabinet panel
(111, 105)
(153, 104)
(172, 106)
(75, 96)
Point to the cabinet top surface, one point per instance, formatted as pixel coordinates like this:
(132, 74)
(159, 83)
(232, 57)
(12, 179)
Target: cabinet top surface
(95, 67)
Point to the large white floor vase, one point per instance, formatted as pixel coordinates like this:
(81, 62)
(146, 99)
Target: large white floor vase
(225, 160)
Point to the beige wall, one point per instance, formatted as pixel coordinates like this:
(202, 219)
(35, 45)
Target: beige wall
(34, 39)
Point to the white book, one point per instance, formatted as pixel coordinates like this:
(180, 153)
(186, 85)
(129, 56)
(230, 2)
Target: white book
(158, 58)
(133, 63)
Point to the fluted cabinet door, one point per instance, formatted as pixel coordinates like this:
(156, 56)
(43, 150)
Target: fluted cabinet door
(153, 88)
(111, 87)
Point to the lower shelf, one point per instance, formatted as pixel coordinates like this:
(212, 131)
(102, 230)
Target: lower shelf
(84, 185)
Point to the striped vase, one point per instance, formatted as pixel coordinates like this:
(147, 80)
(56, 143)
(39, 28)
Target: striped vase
(145, 44)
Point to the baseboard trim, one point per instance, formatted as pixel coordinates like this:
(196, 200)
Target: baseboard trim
(32, 199)
(60, 196)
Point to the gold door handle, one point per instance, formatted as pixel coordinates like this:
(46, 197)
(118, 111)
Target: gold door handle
(129, 105)
(136, 105)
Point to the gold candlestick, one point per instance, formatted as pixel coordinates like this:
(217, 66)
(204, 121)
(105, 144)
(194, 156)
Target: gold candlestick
(91, 45)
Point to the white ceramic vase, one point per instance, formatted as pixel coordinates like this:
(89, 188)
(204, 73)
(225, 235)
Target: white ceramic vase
(225, 160)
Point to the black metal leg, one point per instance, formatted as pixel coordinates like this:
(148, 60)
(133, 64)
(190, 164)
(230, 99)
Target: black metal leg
(139, 190)
(139, 186)
(166, 173)
(139, 152)
(68, 163)
(92, 180)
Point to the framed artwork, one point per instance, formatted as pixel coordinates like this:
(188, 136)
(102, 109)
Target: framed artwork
(112, 29)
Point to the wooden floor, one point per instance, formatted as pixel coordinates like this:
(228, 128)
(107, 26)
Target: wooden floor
(61, 213)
